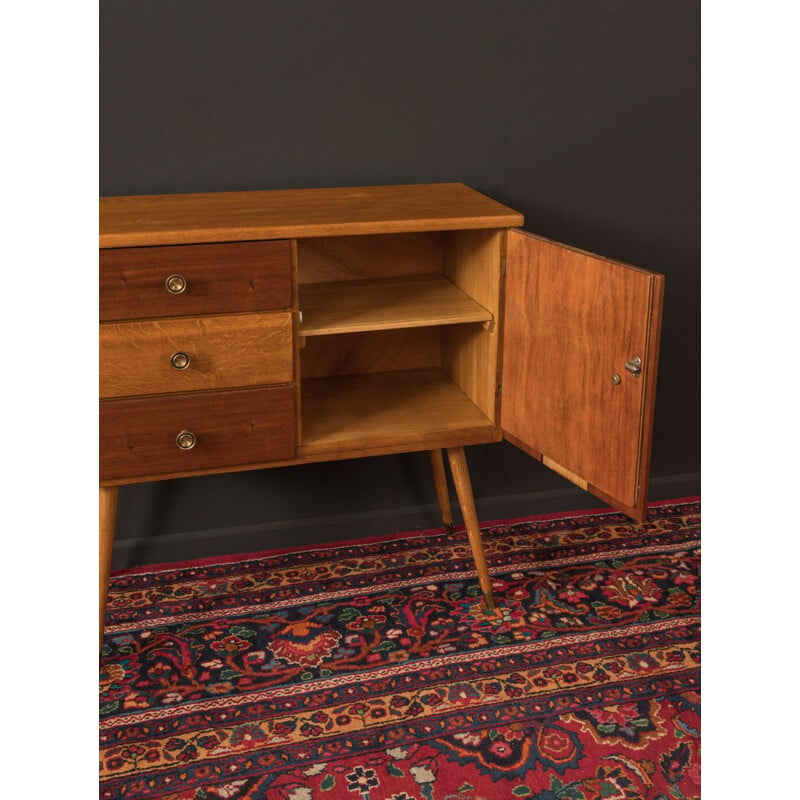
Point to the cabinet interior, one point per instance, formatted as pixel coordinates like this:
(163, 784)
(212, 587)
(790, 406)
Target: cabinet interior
(398, 339)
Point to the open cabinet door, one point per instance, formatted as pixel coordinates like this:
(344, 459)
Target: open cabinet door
(580, 357)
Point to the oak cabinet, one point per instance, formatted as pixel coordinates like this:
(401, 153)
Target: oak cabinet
(245, 330)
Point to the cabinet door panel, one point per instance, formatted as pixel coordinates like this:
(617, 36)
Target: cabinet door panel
(572, 322)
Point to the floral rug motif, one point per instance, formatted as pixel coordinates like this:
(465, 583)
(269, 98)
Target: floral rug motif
(370, 670)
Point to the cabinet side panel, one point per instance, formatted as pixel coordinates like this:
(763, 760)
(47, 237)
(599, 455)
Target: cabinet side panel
(298, 409)
(472, 261)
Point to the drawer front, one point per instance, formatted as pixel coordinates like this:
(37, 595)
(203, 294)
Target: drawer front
(216, 278)
(138, 436)
(181, 355)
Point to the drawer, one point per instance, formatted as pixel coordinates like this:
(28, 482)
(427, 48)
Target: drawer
(181, 355)
(216, 278)
(139, 436)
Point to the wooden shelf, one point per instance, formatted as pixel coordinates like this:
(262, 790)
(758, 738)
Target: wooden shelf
(388, 411)
(374, 305)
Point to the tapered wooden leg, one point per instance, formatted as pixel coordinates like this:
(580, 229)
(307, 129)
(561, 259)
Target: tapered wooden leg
(442, 492)
(458, 466)
(108, 518)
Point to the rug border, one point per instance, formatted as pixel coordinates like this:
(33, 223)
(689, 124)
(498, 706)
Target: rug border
(232, 558)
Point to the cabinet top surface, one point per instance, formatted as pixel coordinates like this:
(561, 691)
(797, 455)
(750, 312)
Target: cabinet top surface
(141, 220)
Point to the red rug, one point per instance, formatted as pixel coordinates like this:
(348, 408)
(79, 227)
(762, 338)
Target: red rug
(369, 670)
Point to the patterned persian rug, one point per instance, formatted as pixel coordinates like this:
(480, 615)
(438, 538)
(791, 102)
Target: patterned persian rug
(370, 671)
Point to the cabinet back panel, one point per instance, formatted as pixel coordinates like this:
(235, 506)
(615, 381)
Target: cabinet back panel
(375, 351)
(343, 258)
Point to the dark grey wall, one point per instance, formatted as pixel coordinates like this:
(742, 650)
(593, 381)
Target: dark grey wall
(582, 114)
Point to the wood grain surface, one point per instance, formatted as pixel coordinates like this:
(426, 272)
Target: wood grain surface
(347, 258)
(375, 351)
(355, 306)
(136, 220)
(242, 276)
(416, 409)
(571, 322)
(233, 428)
(224, 351)
(473, 262)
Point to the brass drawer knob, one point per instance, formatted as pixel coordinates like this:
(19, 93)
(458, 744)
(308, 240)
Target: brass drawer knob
(180, 360)
(176, 284)
(186, 440)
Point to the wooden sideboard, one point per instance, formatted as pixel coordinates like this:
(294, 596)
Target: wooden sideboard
(244, 330)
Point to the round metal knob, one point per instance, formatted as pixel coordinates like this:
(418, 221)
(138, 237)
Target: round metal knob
(186, 440)
(615, 379)
(176, 284)
(180, 360)
(634, 366)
